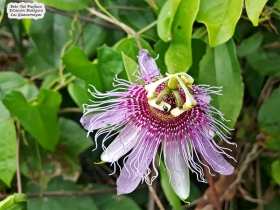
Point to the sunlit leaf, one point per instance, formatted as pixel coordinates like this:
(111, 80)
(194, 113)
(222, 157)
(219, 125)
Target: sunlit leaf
(16, 201)
(275, 171)
(178, 57)
(78, 92)
(254, 9)
(165, 19)
(7, 148)
(220, 67)
(220, 18)
(39, 116)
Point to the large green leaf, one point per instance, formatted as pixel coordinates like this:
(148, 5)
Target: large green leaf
(77, 63)
(110, 65)
(220, 18)
(250, 44)
(64, 161)
(165, 19)
(78, 92)
(16, 201)
(275, 171)
(130, 48)
(50, 35)
(268, 117)
(178, 57)
(70, 5)
(219, 67)
(39, 116)
(265, 62)
(254, 9)
(7, 148)
(14, 81)
(59, 203)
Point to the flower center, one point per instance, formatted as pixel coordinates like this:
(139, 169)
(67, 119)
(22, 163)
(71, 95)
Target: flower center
(173, 88)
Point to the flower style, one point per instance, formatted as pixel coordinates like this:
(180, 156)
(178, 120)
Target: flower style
(169, 114)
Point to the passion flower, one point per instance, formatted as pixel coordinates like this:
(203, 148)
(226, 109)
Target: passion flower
(168, 114)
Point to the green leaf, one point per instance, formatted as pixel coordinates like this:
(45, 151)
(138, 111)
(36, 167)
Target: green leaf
(249, 45)
(38, 117)
(69, 5)
(165, 19)
(110, 65)
(73, 141)
(59, 203)
(35, 64)
(111, 201)
(130, 67)
(272, 142)
(265, 62)
(130, 48)
(7, 149)
(2, 8)
(50, 35)
(64, 161)
(77, 63)
(178, 57)
(254, 9)
(220, 18)
(14, 81)
(275, 171)
(268, 118)
(78, 92)
(160, 49)
(17, 201)
(277, 4)
(220, 67)
(171, 196)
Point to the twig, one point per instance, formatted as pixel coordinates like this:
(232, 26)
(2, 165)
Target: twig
(249, 158)
(41, 74)
(70, 110)
(146, 28)
(82, 18)
(110, 18)
(153, 193)
(212, 186)
(128, 8)
(259, 185)
(64, 84)
(17, 158)
(248, 198)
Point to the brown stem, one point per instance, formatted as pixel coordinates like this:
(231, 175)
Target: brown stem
(212, 186)
(153, 193)
(17, 158)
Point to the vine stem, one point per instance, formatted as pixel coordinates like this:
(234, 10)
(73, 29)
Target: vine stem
(110, 18)
(19, 186)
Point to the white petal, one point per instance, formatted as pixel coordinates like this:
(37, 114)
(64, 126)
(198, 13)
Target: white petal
(124, 142)
(178, 170)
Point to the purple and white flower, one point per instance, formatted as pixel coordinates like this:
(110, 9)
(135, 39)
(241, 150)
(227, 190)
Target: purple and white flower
(167, 114)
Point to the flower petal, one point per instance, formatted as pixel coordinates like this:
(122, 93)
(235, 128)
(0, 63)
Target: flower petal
(178, 170)
(147, 64)
(213, 157)
(96, 121)
(135, 167)
(203, 99)
(124, 142)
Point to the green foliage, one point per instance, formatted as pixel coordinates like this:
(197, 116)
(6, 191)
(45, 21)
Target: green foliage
(220, 18)
(38, 116)
(17, 201)
(254, 9)
(212, 71)
(69, 5)
(178, 57)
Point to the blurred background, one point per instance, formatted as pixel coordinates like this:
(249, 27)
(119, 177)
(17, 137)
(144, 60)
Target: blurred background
(46, 66)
